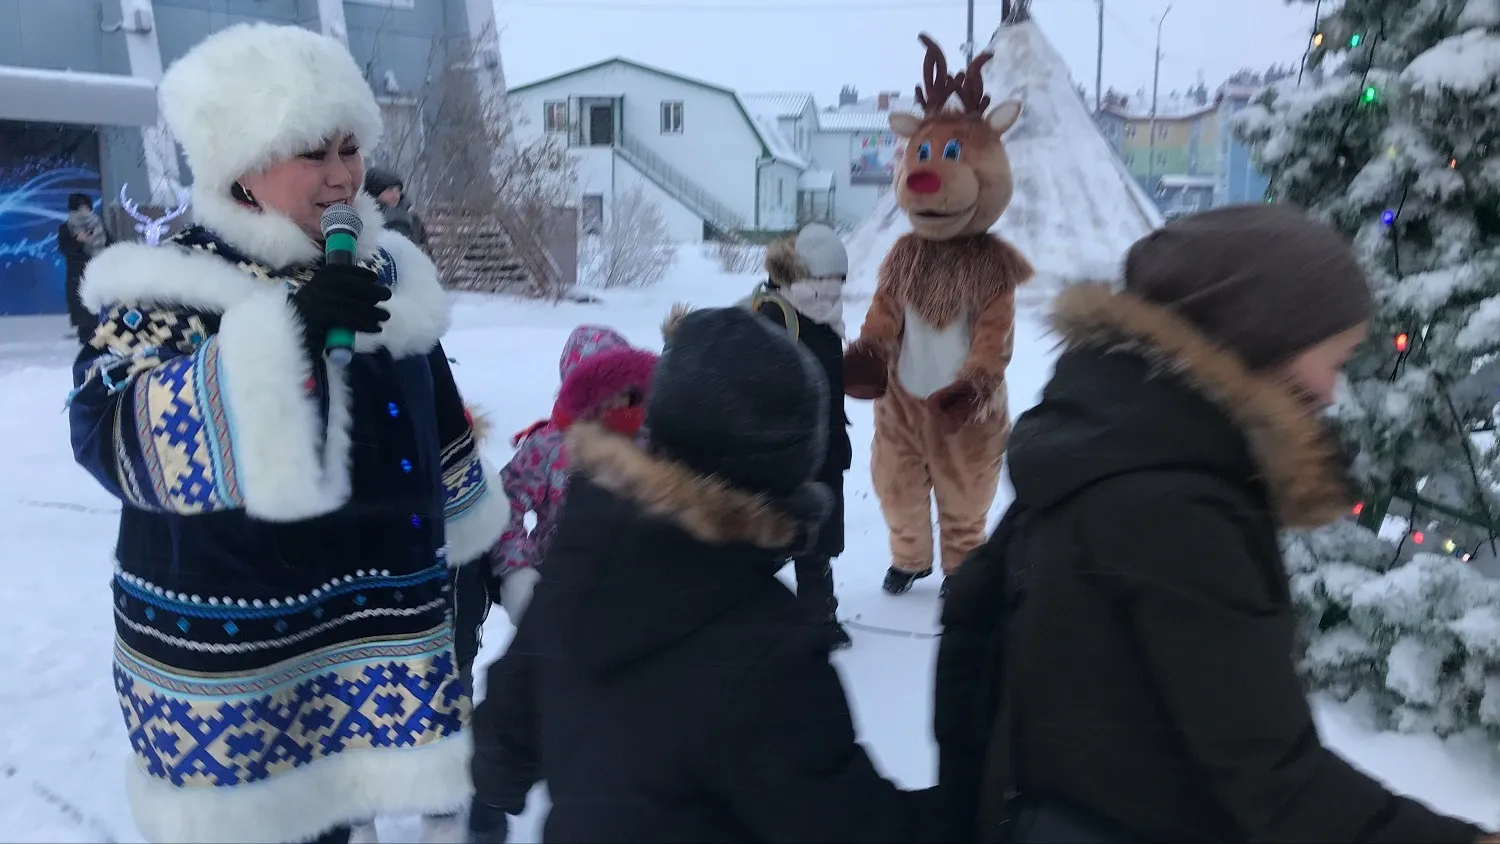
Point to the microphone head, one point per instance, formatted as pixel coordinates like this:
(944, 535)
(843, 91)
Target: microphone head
(341, 219)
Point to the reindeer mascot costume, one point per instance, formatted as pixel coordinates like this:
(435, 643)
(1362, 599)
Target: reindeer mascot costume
(940, 328)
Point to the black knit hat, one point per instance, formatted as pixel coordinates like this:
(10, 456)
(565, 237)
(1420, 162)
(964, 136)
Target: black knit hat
(377, 179)
(1263, 281)
(734, 397)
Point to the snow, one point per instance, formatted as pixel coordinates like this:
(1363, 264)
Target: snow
(62, 758)
(857, 119)
(784, 105)
(1480, 14)
(770, 134)
(1467, 63)
(1076, 209)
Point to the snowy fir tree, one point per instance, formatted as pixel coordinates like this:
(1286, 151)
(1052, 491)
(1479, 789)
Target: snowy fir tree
(1391, 133)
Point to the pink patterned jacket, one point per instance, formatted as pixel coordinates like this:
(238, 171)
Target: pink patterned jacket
(597, 364)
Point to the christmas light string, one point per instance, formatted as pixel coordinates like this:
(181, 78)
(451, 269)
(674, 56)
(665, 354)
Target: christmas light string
(1370, 95)
(1314, 40)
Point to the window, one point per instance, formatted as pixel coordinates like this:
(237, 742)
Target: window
(555, 116)
(591, 213)
(671, 117)
(390, 4)
(1130, 131)
(780, 193)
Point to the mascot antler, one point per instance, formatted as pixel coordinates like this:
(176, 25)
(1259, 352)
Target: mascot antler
(937, 86)
(969, 85)
(937, 83)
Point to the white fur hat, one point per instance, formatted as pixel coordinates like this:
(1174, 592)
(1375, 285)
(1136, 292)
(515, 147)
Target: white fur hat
(253, 94)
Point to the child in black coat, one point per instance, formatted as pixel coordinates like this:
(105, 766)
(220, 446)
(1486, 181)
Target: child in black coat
(804, 292)
(662, 681)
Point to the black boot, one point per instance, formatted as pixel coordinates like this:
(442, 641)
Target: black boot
(838, 636)
(899, 581)
(815, 591)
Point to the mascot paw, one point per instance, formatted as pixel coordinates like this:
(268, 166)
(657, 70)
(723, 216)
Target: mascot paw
(956, 404)
(865, 373)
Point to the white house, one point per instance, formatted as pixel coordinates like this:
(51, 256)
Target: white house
(850, 149)
(714, 165)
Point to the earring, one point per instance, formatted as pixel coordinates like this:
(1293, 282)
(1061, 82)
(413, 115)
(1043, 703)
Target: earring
(243, 194)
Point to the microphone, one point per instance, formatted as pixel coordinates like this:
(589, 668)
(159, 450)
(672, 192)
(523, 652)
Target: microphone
(341, 227)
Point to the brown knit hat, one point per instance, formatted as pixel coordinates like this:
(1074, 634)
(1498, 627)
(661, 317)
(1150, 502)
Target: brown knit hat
(1263, 281)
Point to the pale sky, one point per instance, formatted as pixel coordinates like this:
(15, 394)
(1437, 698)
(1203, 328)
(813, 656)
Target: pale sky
(819, 45)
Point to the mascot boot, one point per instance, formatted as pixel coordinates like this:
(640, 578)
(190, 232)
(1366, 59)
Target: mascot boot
(941, 325)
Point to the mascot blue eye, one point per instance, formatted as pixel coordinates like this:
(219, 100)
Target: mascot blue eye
(950, 150)
(924, 151)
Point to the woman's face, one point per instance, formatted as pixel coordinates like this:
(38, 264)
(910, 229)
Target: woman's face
(1315, 372)
(303, 187)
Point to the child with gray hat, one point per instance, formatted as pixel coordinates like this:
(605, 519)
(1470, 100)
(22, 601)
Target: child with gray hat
(804, 291)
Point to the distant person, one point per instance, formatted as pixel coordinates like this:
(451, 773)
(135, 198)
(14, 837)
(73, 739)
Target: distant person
(804, 292)
(662, 682)
(1118, 656)
(80, 238)
(390, 193)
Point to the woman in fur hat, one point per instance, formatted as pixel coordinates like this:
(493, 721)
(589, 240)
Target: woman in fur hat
(805, 292)
(284, 653)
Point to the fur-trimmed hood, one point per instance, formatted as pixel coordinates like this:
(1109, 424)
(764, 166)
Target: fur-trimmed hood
(783, 264)
(1099, 418)
(707, 509)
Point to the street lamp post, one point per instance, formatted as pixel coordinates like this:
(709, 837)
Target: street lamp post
(1155, 85)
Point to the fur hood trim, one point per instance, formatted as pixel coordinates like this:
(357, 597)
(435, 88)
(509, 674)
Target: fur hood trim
(1297, 460)
(783, 264)
(705, 507)
(169, 276)
(674, 316)
(253, 94)
(604, 375)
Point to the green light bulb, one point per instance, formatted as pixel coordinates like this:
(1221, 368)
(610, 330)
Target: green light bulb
(1355, 39)
(1370, 95)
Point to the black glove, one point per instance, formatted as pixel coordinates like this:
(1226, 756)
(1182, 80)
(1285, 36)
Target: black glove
(487, 824)
(339, 296)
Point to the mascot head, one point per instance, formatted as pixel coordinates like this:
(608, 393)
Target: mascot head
(954, 178)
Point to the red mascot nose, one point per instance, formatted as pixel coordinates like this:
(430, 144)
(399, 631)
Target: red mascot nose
(925, 181)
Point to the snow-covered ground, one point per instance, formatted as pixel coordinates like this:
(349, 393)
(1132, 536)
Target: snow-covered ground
(63, 748)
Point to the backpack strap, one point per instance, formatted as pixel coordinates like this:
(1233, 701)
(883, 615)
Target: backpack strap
(765, 294)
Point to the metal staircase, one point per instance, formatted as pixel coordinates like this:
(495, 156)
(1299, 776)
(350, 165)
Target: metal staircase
(719, 216)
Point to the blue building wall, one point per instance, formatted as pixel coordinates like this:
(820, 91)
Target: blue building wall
(66, 35)
(1245, 183)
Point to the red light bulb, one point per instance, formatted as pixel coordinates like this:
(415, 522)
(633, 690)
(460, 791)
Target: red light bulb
(1402, 341)
(1418, 537)
(1359, 508)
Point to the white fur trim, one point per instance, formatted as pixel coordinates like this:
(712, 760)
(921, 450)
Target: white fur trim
(272, 238)
(515, 592)
(288, 468)
(299, 805)
(418, 304)
(253, 94)
(145, 276)
(469, 536)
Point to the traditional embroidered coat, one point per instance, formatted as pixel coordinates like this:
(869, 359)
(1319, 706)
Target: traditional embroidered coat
(284, 637)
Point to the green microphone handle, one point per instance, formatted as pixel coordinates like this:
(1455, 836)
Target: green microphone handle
(339, 346)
